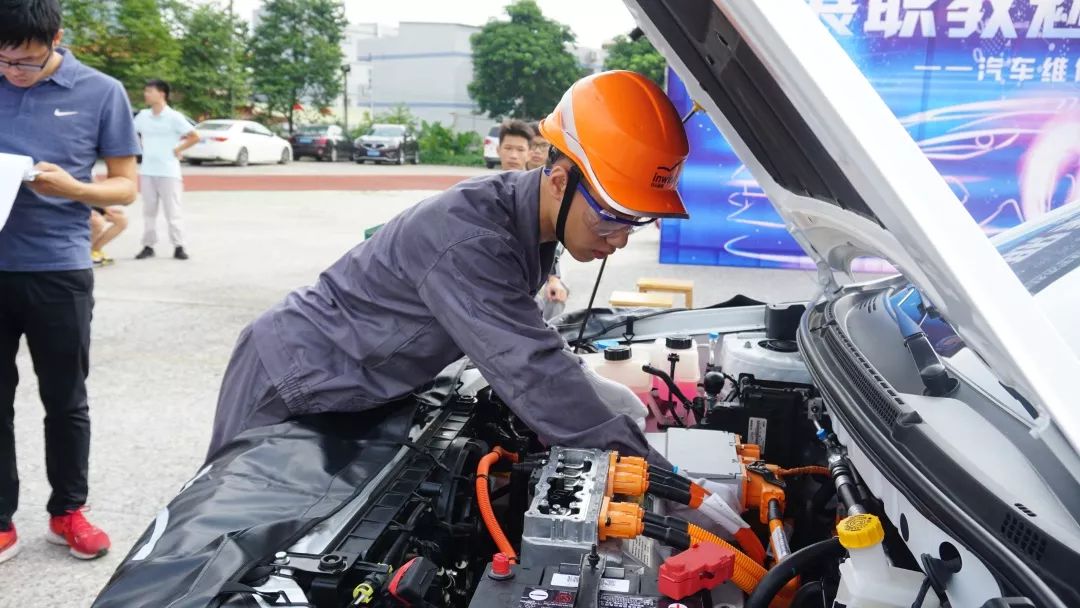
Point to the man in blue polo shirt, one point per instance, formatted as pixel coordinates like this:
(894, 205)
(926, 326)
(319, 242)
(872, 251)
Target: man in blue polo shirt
(65, 116)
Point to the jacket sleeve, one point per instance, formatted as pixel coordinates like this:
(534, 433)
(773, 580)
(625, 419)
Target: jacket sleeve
(478, 292)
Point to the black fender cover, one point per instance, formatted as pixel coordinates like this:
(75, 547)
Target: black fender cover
(267, 488)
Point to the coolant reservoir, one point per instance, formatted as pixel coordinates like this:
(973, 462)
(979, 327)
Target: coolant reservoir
(753, 353)
(619, 364)
(867, 579)
(687, 369)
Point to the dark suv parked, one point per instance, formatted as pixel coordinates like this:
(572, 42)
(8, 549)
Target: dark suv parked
(387, 144)
(322, 142)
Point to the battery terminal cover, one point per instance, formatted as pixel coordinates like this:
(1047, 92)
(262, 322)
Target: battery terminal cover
(701, 567)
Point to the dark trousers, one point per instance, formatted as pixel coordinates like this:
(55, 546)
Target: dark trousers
(53, 311)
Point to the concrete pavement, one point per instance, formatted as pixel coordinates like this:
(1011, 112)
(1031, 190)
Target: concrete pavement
(162, 334)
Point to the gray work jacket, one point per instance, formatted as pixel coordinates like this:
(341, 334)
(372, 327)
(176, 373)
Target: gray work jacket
(455, 274)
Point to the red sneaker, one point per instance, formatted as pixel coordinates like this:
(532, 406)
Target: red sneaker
(9, 543)
(86, 540)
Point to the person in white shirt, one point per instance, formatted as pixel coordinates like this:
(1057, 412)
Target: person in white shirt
(165, 134)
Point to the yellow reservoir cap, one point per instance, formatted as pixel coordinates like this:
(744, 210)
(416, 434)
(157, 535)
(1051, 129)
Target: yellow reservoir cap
(860, 531)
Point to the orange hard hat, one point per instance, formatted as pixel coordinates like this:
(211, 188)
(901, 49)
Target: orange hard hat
(622, 132)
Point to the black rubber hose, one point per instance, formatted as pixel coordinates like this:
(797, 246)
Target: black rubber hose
(809, 596)
(397, 550)
(666, 521)
(850, 499)
(676, 539)
(666, 378)
(657, 487)
(846, 490)
(668, 477)
(775, 579)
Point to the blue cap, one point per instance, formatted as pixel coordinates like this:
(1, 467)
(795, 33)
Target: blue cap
(605, 344)
(822, 434)
(714, 335)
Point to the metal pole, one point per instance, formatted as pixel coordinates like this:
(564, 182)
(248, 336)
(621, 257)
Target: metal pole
(345, 75)
(232, 34)
(371, 87)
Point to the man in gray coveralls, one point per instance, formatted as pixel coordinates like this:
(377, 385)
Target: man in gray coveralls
(456, 274)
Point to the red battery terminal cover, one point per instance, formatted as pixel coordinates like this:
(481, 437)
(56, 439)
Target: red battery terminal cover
(701, 567)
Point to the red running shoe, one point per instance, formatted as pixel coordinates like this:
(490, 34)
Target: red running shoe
(86, 540)
(9, 543)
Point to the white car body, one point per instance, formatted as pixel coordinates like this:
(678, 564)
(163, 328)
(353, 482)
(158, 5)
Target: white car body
(911, 217)
(849, 182)
(239, 142)
(491, 147)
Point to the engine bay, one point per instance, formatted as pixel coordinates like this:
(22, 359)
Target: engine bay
(758, 503)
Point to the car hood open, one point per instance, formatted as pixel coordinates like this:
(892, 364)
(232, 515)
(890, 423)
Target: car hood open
(849, 181)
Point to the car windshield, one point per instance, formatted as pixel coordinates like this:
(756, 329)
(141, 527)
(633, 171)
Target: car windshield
(313, 130)
(387, 131)
(215, 126)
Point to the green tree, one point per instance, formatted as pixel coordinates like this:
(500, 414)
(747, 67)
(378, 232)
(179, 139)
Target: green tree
(399, 115)
(521, 67)
(213, 78)
(296, 48)
(638, 56)
(130, 40)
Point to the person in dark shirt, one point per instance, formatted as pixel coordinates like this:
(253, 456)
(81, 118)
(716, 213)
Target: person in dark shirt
(456, 275)
(65, 116)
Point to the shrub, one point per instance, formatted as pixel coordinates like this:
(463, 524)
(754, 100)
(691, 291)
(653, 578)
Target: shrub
(440, 145)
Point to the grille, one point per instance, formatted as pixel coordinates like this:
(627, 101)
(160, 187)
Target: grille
(1023, 537)
(873, 392)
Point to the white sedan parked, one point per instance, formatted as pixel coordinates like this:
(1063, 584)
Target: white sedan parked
(239, 142)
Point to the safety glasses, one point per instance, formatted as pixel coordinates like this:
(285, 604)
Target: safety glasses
(608, 224)
(603, 222)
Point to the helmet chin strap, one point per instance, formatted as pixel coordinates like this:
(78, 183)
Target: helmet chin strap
(573, 178)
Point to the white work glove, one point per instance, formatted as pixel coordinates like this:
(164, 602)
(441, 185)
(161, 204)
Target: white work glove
(617, 397)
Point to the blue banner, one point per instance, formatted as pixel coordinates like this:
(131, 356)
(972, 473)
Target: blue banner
(989, 89)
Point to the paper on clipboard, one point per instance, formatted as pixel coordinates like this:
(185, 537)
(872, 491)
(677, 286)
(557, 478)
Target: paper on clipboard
(14, 170)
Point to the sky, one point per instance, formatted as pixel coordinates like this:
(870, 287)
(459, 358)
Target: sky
(594, 21)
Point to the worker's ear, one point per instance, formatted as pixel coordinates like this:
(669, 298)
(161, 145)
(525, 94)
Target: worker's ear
(557, 181)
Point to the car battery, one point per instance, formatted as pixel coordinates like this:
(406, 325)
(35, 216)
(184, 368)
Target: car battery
(561, 587)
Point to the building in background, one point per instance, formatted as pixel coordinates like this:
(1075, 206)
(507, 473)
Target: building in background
(591, 59)
(424, 66)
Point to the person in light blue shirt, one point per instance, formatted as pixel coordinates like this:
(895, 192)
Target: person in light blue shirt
(165, 135)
